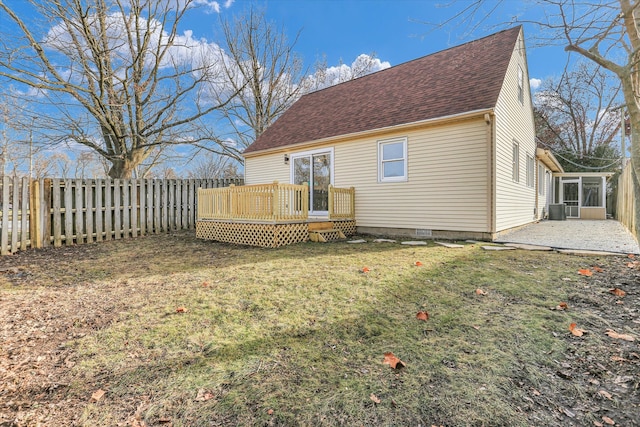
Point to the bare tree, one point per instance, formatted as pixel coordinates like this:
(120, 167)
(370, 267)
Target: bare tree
(210, 165)
(325, 75)
(264, 70)
(112, 75)
(576, 116)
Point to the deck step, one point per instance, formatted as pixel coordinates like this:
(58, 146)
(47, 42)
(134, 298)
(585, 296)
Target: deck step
(326, 235)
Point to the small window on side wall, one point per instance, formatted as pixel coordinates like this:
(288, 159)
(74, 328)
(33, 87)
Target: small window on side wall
(392, 160)
(520, 85)
(515, 162)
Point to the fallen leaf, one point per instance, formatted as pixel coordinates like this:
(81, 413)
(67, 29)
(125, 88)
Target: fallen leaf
(618, 359)
(181, 310)
(422, 315)
(617, 292)
(97, 395)
(614, 334)
(365, 270)
(270, 412)
(585, 272)
(536, 392)
(606, 394)
(561, 306)
(631, 264)
(608, 421)
(631, 256)
(391, 360)
(477, 328)
(375, 398)
(597, 269)
(575, 331)
(205, 284)
(418, 264)
(480, 292)
(164, 420)
(598, 424)
(203, 395)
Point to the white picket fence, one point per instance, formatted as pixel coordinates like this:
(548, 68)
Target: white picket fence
(45, 212)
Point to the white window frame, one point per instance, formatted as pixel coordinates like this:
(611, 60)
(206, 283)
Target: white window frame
(381, 161)
(515, 162)
(520, 85)
(531, 171)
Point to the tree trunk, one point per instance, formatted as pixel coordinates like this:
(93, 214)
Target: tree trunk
(123, 168)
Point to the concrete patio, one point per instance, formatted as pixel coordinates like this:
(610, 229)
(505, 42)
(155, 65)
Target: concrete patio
(602, 236)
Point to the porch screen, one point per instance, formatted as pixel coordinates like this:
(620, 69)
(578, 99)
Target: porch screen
(591, 192)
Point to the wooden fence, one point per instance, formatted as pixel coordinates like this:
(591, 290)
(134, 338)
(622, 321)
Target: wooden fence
(626, 203)
(54, 211)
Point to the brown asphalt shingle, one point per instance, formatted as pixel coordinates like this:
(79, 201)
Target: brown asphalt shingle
(453, 81)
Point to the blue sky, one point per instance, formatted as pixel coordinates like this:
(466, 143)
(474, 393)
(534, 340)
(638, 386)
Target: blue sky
(394, 30)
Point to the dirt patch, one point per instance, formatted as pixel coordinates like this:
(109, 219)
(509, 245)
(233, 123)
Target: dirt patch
(52, 298)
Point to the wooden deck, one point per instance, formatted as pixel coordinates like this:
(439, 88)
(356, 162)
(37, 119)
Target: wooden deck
(272, 215)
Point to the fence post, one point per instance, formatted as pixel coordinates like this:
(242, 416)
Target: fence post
(35, 231)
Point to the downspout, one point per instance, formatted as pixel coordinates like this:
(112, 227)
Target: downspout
(491, 170)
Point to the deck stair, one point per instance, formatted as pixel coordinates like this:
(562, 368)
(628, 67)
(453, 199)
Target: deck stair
(324, 232)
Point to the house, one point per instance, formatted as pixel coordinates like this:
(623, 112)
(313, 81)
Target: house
(442, 146)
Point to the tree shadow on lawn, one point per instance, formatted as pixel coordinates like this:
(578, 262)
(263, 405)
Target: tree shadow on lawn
(162, 254)
(325, 373)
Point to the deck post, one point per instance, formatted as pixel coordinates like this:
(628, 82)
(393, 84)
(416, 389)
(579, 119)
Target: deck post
(330, 200)
(353, 202)
(275, 209)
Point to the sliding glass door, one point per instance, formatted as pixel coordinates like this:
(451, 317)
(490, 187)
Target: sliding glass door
(315, 169)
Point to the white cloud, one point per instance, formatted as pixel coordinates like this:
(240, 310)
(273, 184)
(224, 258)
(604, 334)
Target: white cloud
(212, 6)
(364, 64)
(535, 83)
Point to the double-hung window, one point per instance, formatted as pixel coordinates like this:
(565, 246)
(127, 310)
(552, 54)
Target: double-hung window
(515, 162)
(392, 160)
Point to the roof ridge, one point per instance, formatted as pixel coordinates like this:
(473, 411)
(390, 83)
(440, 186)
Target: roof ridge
(417, 59)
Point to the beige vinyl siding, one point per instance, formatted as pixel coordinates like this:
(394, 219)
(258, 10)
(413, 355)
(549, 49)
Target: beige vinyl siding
(515, 201)
(266, 169)
(447, 179)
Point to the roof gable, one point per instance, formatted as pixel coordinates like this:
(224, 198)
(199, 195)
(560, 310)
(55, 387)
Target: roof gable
(465, 78)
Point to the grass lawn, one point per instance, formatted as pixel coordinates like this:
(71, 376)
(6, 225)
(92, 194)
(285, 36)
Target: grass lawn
(181, 332)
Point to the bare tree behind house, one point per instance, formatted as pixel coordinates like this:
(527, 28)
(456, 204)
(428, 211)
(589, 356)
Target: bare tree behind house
(263, 69)
(576, 116)
(207, 165)
(116, 76)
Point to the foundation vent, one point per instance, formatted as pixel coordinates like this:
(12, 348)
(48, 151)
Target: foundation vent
(421, 232)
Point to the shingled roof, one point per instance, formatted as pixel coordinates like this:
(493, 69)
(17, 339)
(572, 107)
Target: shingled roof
(453, 81)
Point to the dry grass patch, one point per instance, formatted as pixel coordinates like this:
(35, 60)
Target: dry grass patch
(183, 332)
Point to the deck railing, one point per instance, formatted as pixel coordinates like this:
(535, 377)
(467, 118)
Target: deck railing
(262, 202)
(270, 203)
(342, 203)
